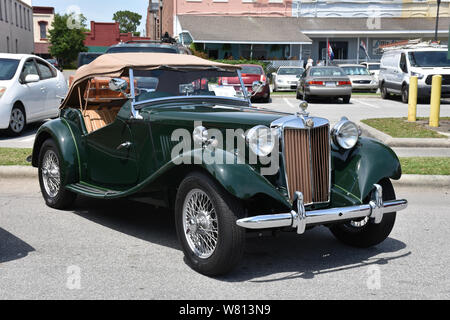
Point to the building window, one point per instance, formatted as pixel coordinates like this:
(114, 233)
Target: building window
(15, 11)
(17, 45)
(10, 11)
(7, 44)
(43, 29)
(20, 16)
(6, 12)
(1, 11)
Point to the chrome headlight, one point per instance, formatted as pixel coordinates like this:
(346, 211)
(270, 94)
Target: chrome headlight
(345, 134)
(261, 140)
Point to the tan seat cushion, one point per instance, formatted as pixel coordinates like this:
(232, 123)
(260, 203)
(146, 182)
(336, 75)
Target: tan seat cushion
(97, 119)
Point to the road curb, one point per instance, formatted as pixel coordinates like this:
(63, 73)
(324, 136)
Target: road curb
(403, 142)
(10, 172)
(416, 180)
(23, 172)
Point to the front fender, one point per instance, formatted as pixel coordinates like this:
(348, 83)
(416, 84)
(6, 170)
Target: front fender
(241, 180)
(62, 134)
(357, 170)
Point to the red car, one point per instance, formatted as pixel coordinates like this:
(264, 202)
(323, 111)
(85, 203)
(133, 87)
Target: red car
(250, 74)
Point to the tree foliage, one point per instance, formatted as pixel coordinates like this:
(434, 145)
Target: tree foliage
(128, 21)
(67, 37)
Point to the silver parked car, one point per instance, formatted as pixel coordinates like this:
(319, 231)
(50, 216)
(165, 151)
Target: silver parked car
(286, 78)
(360, 77)
(326, 82)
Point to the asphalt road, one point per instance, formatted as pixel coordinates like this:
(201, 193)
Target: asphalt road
(359, 108)
(125, 250)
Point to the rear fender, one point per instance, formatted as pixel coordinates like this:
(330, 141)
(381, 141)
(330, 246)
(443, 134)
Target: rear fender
(63, 135)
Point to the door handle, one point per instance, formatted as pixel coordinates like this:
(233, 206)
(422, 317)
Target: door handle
(125, 145)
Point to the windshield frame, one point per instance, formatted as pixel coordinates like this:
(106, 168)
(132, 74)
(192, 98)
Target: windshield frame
(233, 101)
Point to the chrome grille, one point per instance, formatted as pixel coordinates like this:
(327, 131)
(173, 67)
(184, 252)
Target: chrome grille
(307, 160)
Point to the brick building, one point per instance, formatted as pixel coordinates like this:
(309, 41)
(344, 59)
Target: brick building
(105, 34)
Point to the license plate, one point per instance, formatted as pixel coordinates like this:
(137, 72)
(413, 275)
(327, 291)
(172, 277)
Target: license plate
(330, 84)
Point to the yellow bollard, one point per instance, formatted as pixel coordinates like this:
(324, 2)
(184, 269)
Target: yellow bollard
(436, 88)
(412, 100)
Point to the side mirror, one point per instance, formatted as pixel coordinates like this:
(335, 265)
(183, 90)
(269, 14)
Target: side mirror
(119, 85)
(30, 78)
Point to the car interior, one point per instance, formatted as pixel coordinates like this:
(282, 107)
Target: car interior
(99, 109)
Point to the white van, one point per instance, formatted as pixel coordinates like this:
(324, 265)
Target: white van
(398, 65)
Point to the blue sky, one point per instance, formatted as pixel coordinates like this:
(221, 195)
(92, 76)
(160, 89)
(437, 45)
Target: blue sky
(98, 10)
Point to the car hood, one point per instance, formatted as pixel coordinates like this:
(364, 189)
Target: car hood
(361, 77)
(218, 117)
(431, 70)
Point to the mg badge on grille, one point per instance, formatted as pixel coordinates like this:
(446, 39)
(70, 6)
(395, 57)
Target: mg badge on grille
(310, 123)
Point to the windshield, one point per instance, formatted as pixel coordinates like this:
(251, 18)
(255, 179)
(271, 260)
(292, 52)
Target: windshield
(8, 68)
(291, 71)
(157, 84)
(374, 67)
(429, 59)
(327, 72)
(142, 49)
(251, 70)
(356, 71)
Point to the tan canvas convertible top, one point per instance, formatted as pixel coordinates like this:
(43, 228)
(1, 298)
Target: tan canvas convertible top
(117, 65)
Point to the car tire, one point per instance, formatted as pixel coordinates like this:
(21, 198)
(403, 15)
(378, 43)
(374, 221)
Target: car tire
(267, 99)
(212, 242)
(347, 99)
(365, 233)
(405, 94)
(17, 122)
(384, 93)
(50, 177)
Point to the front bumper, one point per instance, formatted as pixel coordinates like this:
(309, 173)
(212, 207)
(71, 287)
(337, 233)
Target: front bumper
(365, 87)
(301, 218)
(424, 91)
(323, 91)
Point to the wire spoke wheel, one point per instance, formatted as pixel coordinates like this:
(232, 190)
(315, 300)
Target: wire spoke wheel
(51, 176)
(200, 224)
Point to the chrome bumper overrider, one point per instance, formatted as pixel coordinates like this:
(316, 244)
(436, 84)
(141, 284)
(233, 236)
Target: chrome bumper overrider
(301, 219)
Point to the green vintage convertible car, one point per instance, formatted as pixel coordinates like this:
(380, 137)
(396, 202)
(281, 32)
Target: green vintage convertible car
(170, 130)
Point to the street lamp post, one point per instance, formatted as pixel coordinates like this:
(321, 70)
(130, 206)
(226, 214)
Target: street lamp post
(437, 21)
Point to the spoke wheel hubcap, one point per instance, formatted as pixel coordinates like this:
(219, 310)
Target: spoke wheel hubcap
(51, 173)
(200, 224)
(17, 122)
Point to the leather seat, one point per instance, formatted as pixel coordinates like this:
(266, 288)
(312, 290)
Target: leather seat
(97, 119)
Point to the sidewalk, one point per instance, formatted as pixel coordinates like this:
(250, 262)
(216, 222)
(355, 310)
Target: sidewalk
(408, 180)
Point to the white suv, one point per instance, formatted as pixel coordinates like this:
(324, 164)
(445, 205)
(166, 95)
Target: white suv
(30, 90)
(398, 65)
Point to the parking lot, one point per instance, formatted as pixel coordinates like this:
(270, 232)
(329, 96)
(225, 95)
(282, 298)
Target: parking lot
(126, 250)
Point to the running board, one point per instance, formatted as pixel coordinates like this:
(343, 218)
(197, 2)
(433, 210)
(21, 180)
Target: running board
(91, 191)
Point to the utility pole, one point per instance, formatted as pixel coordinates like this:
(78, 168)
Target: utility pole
(437, 21)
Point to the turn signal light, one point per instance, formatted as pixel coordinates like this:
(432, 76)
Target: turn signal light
(344, 83)
(316, 83)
